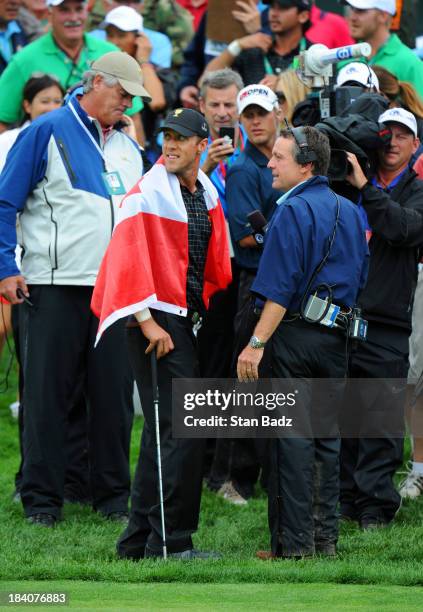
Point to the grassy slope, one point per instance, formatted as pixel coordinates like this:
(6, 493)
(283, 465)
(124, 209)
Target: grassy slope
(82, 546)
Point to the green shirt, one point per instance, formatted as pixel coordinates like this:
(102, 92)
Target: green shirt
(43, 55)
(398, 59)
(401, 61)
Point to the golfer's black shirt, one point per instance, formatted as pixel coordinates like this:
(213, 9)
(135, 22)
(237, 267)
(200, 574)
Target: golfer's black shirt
(199, 232)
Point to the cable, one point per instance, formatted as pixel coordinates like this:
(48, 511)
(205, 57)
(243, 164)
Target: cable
(318, 270)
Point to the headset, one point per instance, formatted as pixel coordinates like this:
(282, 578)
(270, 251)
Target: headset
(306, 154)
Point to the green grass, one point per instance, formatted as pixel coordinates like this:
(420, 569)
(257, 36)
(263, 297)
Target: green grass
(82, 549)
(230, 597)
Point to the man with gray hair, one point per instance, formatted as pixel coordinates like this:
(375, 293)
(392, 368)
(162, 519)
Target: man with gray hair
(218, 95)
(65, 177)
(226, 141)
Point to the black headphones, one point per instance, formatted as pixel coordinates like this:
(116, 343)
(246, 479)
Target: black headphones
(306, 155)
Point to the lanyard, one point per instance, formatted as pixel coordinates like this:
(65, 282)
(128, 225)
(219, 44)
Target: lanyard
(84, 127)
(293, 65)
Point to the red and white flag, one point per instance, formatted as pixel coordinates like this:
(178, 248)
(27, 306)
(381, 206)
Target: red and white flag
(146, 262)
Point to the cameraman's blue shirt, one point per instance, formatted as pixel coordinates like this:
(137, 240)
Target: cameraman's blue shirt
(297, 241)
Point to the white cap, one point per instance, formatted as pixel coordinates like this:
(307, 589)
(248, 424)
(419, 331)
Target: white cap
(358, 72)
(389, 6)
(57, 2)
(124, 18)
(261, 95)
(400, 115)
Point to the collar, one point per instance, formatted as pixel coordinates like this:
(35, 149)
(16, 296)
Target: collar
(13, 27)
(50, 45)
(92, 125)
(299, 188)
(392, 184)
(391, 47)
(257, 156)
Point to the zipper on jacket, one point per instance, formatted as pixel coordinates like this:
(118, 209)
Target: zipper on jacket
(65, 158)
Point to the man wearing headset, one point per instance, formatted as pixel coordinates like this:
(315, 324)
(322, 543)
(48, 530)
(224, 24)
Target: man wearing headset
(315, 245)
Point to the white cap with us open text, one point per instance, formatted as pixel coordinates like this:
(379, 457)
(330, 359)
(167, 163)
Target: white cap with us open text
(260, 95)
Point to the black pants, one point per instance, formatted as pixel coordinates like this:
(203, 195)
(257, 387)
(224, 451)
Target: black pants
(182, 459)
(304, 472)
(239, 460)
(368, 465)
(57, 348)
(77, 482)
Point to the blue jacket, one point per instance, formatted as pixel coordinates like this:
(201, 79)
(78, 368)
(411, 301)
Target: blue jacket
(53, 177)
(297, 241)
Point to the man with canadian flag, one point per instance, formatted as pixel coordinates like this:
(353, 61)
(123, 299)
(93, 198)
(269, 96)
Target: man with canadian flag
(168, 255)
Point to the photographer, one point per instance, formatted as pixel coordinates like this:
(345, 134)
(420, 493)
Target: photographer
(315, 246)
(393, 202)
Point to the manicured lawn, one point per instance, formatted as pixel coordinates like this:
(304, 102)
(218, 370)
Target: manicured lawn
(226, 597)
(367, 574)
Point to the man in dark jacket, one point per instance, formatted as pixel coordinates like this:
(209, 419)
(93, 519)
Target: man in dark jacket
(393, 203)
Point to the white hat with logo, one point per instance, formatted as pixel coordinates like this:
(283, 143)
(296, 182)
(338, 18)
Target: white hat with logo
(261, 95)
(400, 115)
(358, 72)
(124, 18)
(389, 6)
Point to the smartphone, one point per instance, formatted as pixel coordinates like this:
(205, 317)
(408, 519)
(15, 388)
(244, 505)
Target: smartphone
(227, 131)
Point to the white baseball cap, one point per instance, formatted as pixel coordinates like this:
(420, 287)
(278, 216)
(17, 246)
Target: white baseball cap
(400, 115)
(261, 95)
(57, 2)
(124, 18)
(359, 73)
(388, 6)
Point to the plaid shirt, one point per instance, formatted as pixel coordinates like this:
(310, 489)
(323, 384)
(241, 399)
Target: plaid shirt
(199, 232)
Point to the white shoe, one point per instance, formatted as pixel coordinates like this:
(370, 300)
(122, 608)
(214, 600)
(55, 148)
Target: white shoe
(412, 486)
(228, 492)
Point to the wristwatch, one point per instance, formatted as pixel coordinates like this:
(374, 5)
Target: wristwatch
(255, 343)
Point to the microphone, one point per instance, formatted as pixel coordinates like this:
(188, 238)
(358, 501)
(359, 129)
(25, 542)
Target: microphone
(317, 57)
(258, 224)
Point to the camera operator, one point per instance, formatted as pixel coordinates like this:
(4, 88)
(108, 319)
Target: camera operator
(393, 202)
(315, 238)
(358, 74)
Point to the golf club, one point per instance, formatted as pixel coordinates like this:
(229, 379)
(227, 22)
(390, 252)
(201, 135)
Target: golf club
(159, 458)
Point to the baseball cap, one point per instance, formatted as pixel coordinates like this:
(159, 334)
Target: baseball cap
(388, 6)
(124, 18)
(400, 115)
(359, 73)
(187, 122)
(261, 95)
(302, 5)
(125, 69)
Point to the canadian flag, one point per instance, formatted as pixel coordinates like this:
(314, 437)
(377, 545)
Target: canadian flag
(146, 262)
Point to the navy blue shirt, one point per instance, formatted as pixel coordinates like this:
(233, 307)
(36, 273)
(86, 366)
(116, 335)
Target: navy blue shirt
(248, 188)
(297, 241)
